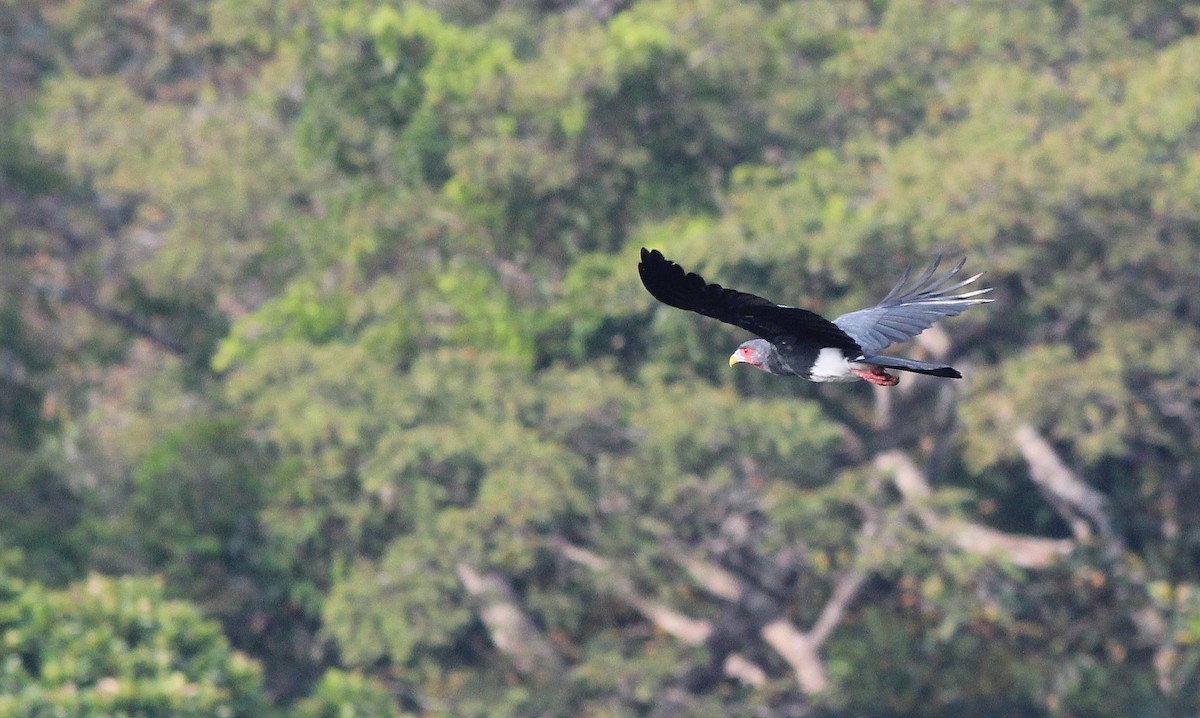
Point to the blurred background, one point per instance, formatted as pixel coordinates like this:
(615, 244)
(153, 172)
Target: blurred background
(328, 386)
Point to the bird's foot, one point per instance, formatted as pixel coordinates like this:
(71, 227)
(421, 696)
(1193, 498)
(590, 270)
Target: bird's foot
(875, 375)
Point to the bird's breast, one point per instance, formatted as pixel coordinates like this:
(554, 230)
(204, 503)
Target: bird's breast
(830, 364)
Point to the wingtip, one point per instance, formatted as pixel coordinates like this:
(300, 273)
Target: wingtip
(653, 256)
(649, 258)
(977, 295)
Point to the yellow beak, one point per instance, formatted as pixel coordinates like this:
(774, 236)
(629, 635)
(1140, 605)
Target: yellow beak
(734, 359)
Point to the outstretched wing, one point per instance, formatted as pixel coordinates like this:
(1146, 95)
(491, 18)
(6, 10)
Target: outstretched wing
(670, 284)
(906, 312)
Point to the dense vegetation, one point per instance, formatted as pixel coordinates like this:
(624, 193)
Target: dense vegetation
(327, 386)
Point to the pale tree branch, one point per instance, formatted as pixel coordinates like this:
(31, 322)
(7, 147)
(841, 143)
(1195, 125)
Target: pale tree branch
(687, 629)
(511, 631)
(1078, 503)
(724, 584)
(800, 651)
(740, 668)
(711, 577)
(797, 648)
(1023, 551)
(1069, 494)
(674, 623)
(844, 590)
(692, 631)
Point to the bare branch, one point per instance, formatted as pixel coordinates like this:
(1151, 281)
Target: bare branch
(797, 648)
(580, 555)
(1069, 494)
(740, 668)
(674, 623)
(692, 631)
(909, 480)
(934, 340)
(800, 649)
(125, 320)
(711, 577)
(511, 631)
(689, 630)
(844, 591)
(1023, 551)
(800, 652)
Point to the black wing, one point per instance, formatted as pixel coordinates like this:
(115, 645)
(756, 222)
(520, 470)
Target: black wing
(669, 284)
(907, 311)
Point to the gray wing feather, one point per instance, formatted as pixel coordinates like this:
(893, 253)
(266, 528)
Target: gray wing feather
(908, 310)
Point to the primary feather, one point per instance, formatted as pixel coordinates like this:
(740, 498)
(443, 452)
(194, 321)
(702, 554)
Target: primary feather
(906, 312)
(670, 284)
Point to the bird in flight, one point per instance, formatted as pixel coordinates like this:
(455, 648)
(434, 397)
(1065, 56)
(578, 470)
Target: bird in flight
(797, 342)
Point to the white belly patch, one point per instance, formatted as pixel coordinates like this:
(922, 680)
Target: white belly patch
(831, 365)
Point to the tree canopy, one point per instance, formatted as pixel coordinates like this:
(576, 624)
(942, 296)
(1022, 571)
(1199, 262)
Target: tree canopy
(328, 385)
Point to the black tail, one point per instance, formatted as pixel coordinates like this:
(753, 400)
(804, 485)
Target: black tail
(920, 367)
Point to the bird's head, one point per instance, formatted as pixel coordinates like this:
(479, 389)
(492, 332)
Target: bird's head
(753, 352)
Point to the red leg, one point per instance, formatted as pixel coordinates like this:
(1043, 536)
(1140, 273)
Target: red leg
(875, 375)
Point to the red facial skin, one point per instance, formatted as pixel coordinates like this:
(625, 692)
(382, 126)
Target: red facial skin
(749, 357)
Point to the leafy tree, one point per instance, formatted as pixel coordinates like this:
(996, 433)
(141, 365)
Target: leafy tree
(346, 695)
(116, 647)
(347, 339)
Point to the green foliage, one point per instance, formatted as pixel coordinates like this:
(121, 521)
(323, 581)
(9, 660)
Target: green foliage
(44, 515)
(300, 314)
(196, 495)
(40, 510)
(485, 319)
(386, 254)
(197, 498)
(115, 647)
(341, 694)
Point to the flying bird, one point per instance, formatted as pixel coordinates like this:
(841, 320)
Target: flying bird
(797, 342)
